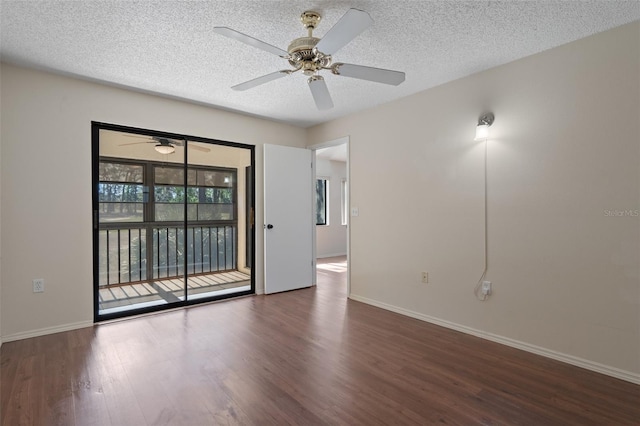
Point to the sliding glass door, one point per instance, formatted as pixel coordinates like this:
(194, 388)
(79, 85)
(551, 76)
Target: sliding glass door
(215, 235)
(170, 220)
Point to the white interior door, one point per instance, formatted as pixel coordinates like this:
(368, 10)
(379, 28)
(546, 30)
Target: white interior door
(288, 213)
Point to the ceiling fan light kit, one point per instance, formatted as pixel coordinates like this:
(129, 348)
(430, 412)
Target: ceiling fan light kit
(311, 55)
(165, 149)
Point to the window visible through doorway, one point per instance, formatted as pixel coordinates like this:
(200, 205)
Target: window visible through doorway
(321, 201)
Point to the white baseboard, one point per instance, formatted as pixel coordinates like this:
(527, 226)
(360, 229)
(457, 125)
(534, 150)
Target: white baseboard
(45, 331)
(325, 255)
(569, 359)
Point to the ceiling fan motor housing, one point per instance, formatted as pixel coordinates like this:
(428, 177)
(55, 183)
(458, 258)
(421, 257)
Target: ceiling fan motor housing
(302, 52)
(304, 56)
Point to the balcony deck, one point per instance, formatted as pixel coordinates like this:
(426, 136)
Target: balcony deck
(161, 291)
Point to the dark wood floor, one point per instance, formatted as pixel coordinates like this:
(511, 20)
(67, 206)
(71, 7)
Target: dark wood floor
(304, 357)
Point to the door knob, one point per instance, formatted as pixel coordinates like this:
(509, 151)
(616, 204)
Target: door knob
(269, 226)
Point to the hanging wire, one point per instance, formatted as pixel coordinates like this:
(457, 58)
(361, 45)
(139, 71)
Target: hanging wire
(478, 286)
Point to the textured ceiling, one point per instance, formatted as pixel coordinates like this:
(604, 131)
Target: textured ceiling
(169, 48)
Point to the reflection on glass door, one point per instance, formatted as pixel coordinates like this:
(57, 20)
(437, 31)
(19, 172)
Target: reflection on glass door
(168, 232)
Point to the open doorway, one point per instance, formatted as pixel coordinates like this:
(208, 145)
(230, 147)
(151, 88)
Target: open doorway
(332, 211)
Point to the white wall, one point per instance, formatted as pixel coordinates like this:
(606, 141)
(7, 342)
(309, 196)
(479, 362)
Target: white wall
(564, 150)
(0, 211)
(331, 239)
(46, 138)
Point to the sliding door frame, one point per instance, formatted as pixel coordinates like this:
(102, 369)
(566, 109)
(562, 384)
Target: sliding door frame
(95, 163)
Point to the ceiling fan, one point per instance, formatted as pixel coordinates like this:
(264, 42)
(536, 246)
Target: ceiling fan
(311, 55)
(164, 145)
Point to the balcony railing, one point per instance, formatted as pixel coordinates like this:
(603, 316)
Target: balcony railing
(133, 254)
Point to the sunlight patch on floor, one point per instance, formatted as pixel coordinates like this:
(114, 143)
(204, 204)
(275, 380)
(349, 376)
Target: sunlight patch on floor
(333, 267)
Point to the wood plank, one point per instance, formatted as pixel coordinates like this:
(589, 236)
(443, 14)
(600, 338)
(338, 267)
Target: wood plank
(172, 285)
(164, 286)
(105, 294)
(216, 278)
(25, 404)
(89, 405)
(129, 291)
(150, 288)
(198, 282)
(309, 356)
(238, 276)
(207, 280)
(177, 282)
(141, 290)
(118, 293)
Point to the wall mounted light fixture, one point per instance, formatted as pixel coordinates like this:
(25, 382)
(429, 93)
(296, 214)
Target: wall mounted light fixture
(165, 148)
(482, 289)
(482, 130)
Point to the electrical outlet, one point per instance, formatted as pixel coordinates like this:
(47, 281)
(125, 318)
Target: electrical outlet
(425, 277)
(38, 285)
(486, 287)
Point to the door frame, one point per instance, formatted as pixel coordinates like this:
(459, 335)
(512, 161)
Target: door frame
(345, 140)
(96, 126)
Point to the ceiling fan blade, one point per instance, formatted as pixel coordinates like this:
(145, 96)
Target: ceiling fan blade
(134, 143)
(152, 139)
(228, 32)
(192, 145)
(260, 80)
(377, 75)
(346, 29)
(132, 135)
(320, 92)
